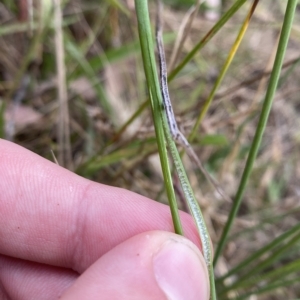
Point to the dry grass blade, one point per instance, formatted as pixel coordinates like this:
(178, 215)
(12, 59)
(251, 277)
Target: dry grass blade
(183, 33)
(64, 153)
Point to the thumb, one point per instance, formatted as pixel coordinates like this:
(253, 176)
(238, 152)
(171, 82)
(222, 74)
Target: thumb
(152, 265)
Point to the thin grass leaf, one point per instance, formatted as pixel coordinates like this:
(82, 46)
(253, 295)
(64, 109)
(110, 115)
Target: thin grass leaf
(224, 70)
(235, 7)
(63, 128)
(94, 164)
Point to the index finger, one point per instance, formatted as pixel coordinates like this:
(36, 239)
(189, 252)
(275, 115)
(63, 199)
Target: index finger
(50, 215)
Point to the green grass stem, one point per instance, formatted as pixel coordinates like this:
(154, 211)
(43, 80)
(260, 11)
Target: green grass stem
(147, 49)
(224, 70)
(232, 10)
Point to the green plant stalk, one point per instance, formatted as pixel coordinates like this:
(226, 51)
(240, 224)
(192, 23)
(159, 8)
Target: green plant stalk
(224, 70)
(154, 91)
(162, 131)
(284, 37)
(254, 257)
(233, 9)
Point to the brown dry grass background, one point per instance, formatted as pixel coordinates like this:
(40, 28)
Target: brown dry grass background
(84, 139)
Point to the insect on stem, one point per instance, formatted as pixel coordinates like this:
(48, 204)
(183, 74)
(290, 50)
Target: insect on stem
(176, 134)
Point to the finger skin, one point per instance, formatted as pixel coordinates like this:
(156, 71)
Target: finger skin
(128, 271)
(51, 216)
(25, 280)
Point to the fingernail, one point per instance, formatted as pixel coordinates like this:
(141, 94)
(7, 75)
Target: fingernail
(180, 271)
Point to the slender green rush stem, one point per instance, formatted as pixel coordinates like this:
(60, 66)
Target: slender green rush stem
(267, 104)
(162, 131)
(154, 91)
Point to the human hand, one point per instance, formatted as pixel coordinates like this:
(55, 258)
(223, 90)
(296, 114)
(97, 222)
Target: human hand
(62, 236)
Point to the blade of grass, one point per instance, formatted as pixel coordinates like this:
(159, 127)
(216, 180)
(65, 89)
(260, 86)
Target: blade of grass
(183, 32)
(234, 8)
(224, 70)
(132, 150)
(284, 37)
(63, 129)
